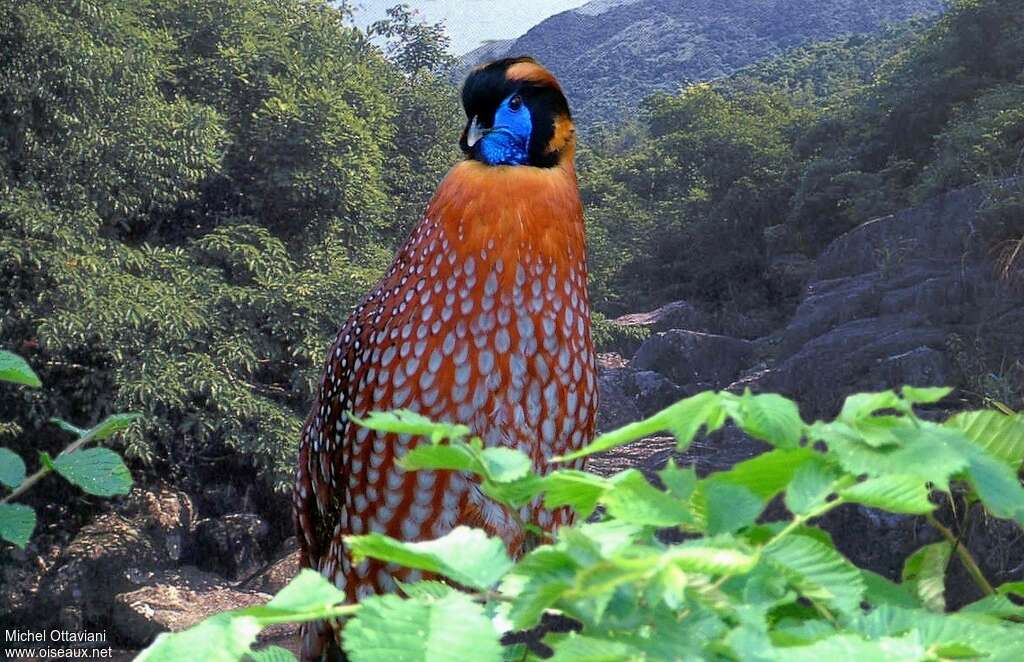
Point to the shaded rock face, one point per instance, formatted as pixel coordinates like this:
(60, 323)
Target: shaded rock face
(702, 360)
(232, 545)
(884, 303)
(879, 309)
(146, 566)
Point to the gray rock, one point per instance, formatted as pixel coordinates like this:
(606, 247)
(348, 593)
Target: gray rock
(689, 357)
(828, 304)
(233, 545)
(938, 233)
(281, 571)
(626, 395)
(675, 315)
(855, 356)
(615, 406)
(166, 515)
(108, 556)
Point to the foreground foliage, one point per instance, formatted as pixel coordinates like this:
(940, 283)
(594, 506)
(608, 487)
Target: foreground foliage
(737, 588)
(98, 471)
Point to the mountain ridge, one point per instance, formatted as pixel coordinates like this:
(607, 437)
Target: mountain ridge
(665, 45)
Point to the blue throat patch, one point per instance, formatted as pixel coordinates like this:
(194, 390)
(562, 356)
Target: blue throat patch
(508, 143)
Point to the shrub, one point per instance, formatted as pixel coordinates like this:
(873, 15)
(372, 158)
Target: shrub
(737, 588)
(97, 471)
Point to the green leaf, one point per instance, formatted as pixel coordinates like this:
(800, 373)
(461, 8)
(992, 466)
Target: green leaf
(997, 606)
(997, 485)
(684, 419)
(817, 571)
(272, 654)
(680, 483)
(851, 647)
(504, 465)
(924, 572)
(711, 556)
(16, 370)
(453, 457)
(403, 421)
(726, 507)
(516, 493)
(111, 425)
(537, 582)
(12, 468)
(576, 489)
(309, 591)
(581, 648)
(69, 427)
(98, 471)
(632, 499)
(222, 638)
(453, 627)
(925, 395)
(925, 451)
(880, 591)
(770, 418)
(465, 555)
(996, 433)
(425, 589)
(812, 483)
(863, 405)
(896, 493)
(17, 522)
(1016, 588)
(767, 474)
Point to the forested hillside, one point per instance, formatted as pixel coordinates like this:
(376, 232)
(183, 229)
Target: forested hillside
(610, 55)
(787, 155)
(192, 196)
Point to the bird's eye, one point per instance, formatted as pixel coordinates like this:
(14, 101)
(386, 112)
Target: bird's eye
(515, 103)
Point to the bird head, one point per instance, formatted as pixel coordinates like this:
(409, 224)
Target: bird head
(517, 115)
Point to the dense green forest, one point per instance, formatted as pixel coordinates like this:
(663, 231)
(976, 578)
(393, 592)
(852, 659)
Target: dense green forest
(795, 151)
(194, 193)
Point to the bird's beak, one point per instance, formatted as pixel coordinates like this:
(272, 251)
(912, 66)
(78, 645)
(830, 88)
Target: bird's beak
(474, 134)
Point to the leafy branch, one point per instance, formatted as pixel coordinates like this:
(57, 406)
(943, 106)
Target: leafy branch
(97, 471)
(737, 587)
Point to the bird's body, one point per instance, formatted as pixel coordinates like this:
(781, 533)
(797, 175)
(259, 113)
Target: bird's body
(482, 319)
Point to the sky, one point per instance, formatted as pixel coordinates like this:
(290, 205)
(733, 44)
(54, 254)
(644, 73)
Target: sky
(471, 22)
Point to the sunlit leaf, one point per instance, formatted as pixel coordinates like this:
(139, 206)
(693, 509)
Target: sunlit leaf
(16, 370)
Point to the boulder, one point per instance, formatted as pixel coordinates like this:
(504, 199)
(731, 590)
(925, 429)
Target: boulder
(164, 514)
(108, 556)
(860, 355)
(690, 358)
(233, 545)
(626, 395)
(674, 315)
(282, 570)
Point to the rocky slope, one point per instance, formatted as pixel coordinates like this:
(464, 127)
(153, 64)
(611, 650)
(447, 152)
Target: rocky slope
(895, 301)
(906, 299)
(611, 54)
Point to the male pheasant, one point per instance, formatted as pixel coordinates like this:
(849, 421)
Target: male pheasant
(482, 319)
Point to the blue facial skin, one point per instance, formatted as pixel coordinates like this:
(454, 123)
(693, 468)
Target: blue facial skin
(508, 143)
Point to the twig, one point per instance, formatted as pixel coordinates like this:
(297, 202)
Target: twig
(965, 556)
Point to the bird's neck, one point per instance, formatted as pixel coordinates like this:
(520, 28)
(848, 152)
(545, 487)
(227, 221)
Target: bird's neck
(511, 213)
